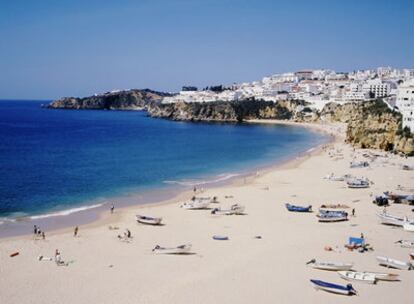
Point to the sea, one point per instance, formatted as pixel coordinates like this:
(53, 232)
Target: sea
(59, 162)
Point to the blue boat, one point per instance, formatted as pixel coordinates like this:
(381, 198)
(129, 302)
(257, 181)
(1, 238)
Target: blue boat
(220, 237)
(294, 208)
(334, 288)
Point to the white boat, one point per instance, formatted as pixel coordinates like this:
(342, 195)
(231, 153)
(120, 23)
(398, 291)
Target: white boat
(393, 263)
(358, 183)
(148, 220)
(332, 266)
(388, 219)
(408, 226)
(338, 178)
(331, 219)
(380, 276)
(196, 203)
(235, 209)
(357, 276)
(406, 244)
(182, 249)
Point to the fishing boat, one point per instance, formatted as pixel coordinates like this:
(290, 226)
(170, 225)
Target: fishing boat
(331, 219)
(339, 178)
(220, 237)
(294, 208)
(361, 164)
(358, 183)
(388, 219)
(235, 209)
(331, 266)
(332, 212)
(196, 203)
(393, 263)
(357, 276)
(334, 288)
(182, 249)
(406, 244)
(380, 276)
(148, 220)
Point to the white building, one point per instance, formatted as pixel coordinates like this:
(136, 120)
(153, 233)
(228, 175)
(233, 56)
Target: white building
(377, 88)
(405, 103)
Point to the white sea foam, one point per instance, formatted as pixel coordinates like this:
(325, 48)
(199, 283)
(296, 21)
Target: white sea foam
(194, 182)
(65, 212)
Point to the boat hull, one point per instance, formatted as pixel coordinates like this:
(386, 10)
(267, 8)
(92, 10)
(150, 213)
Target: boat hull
(392, 263)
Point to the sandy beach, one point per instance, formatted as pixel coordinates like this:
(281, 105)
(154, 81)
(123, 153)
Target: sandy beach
(244, 269)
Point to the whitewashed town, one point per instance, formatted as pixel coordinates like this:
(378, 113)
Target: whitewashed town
(319, 87)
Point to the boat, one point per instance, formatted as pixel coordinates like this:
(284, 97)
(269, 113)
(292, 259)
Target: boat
(235, 209)
(393, 263)
(196, 203)
(331, 266)
(361, 164)
(182, 249)
(334, 206)
(220, 237)
(406, 244)
(148, 220)
(334, 288)
(332, 212)
(331, 219)
(388, 219)
(339, 178)
(294, 208)
(380, 276)
(357, 276)
(358, 183)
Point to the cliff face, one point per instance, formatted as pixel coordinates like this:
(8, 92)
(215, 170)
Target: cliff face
(370, 125)
(122, 100)
(225, 110)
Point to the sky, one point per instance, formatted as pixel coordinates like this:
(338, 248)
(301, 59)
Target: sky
(50, 49)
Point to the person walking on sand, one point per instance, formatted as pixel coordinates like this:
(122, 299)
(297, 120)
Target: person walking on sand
(112, 208)
(75, 232)
(43, 235)
(35, 230)
(353, 211)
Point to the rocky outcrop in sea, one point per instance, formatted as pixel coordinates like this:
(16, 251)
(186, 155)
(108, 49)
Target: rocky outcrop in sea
(120, 100)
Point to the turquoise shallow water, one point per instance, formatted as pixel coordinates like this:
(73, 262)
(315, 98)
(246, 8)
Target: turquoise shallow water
(54, 160)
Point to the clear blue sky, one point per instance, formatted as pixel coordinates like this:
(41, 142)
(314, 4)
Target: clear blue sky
(52, 48)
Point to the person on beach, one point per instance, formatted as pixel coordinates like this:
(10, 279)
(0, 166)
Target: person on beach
(353, 211)
(112, 208)
(128, 234)
(43, 235)
(195, 189)
(35, 230)
(75, 232)
(58, 258)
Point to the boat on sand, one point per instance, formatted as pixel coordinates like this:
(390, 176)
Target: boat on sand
(294, 208)
(331, 266)
(357, 276)
(393, 263)
(148, 220)
(182, 249)
(196, 203)
(235, 209)
(334, 288)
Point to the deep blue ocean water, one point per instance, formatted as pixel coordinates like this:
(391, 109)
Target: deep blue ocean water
(58, 159)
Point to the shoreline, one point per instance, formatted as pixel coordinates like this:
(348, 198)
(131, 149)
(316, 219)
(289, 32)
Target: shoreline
(91, 216)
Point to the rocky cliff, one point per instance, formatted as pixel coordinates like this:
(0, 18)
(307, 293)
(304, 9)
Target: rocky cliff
(121, 100)
(225, 110)
(371, 125)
